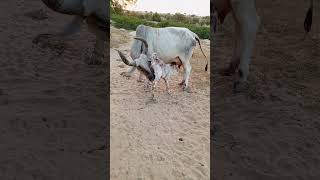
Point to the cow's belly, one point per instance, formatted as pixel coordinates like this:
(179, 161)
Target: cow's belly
(176, 60)
(170, 52)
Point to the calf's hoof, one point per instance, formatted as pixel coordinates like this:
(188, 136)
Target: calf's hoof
(239, 87)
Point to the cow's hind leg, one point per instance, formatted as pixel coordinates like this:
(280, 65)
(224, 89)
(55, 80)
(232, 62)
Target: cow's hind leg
(245, 13)
(235, 61)
(70, 29)
(187, 70)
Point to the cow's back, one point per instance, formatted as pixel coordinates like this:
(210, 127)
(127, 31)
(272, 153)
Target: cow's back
(170, 42)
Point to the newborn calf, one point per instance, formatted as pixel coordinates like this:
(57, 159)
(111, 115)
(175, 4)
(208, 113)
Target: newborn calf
(162, 70)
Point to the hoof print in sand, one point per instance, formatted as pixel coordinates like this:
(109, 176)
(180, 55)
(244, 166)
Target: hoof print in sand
(49, 41)
(37, 15)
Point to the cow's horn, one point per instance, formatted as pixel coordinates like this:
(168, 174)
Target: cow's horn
(145, 51)
(125, 60)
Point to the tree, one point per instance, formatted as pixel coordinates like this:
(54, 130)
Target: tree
(179, 17)
(117, 6)
(156, 17)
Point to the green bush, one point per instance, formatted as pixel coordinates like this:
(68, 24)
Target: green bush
(156, 17)
(130, 22)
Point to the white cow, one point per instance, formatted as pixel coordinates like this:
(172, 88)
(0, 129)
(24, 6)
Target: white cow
(172, 44)
(151, 66)
(95, 12)
(247, 22)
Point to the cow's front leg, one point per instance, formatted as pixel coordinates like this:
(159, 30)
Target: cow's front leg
(97, 56)
(129, 73)
(246, 15)
(140, 79)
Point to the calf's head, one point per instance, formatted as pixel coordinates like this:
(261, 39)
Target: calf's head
(143, 62)
(155, 60)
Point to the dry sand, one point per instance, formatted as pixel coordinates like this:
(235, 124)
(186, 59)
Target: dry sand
(273, 130)
(52, 104)
(165, 139)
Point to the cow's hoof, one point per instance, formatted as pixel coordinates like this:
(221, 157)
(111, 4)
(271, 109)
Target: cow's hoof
(151, 100)
(125, 74)
(227, 71)
(182, 83)
(40, 38)
(140, 80)
(239, 87)
(187, 89)
(93, 61)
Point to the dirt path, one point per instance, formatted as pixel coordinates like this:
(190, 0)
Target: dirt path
(166, 139)
(272, 131)
(52, 104)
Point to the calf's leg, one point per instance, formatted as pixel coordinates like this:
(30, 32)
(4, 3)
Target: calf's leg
(154, 87)
(166, 80)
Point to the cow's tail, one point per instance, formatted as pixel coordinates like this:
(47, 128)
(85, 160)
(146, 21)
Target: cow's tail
(308, 19)
(198, 39)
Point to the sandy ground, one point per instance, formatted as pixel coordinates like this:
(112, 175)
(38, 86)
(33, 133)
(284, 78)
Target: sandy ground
(273, 130)
(52, 104)
(165, 139)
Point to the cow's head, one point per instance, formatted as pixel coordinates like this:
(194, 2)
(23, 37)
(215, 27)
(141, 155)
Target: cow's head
(143, 62)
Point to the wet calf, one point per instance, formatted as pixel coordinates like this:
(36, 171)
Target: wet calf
(162, 71)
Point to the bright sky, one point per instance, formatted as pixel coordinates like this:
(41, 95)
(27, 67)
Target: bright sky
(197, 7)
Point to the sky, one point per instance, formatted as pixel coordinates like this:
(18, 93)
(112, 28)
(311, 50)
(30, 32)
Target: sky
(197, 7)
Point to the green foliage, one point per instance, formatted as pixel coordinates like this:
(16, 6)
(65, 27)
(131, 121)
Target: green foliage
(179, 17)
(156, 17)
(130, 21)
